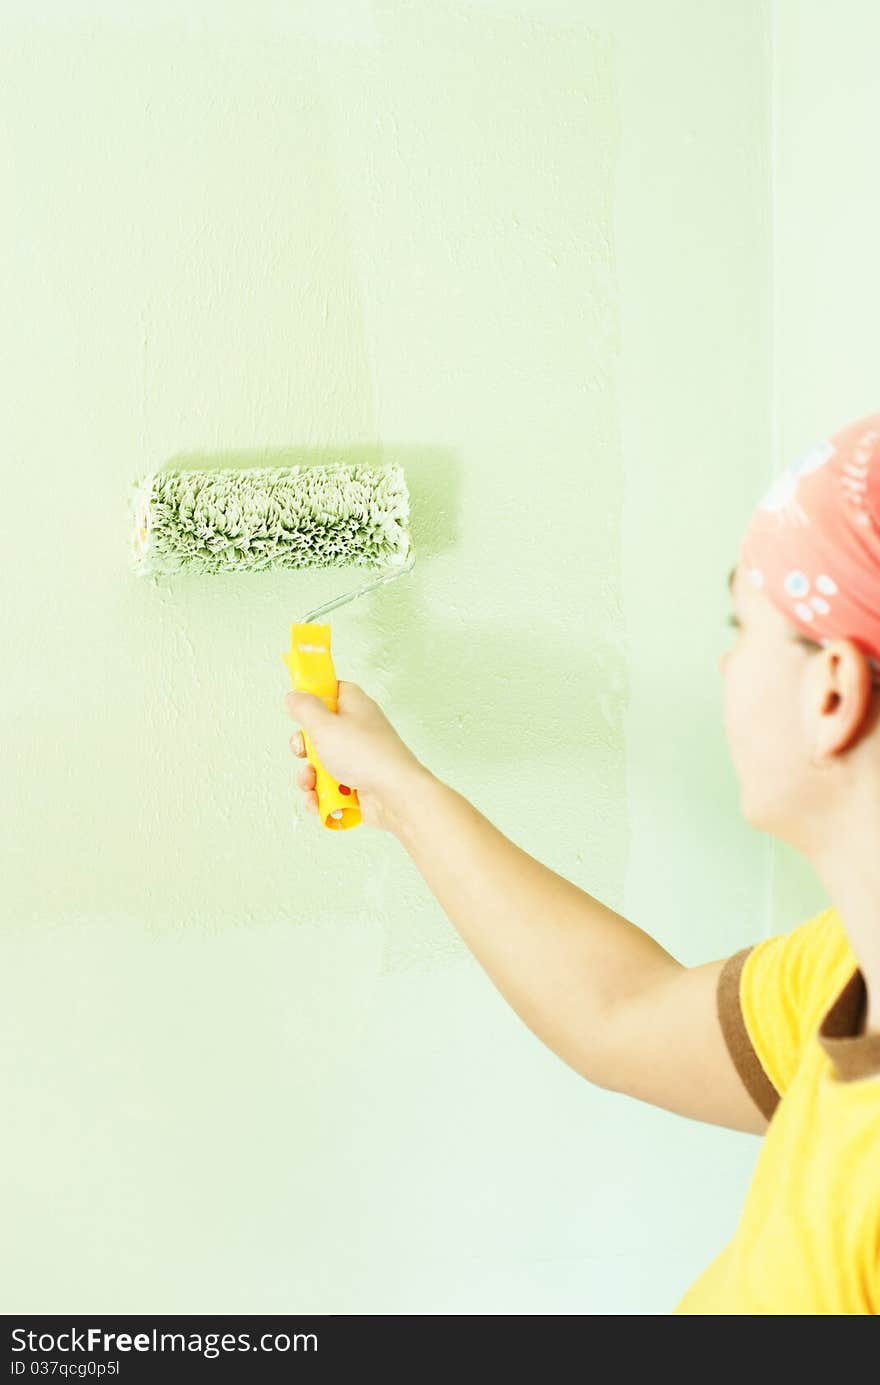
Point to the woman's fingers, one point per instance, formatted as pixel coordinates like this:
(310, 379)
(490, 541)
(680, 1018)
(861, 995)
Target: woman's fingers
(307, 776)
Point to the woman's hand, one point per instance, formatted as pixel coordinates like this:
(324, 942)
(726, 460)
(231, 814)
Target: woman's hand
(357, 745)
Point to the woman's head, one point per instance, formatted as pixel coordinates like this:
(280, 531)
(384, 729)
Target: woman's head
(801, 695)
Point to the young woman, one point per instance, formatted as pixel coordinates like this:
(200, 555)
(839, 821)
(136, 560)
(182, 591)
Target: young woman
(783, 1038)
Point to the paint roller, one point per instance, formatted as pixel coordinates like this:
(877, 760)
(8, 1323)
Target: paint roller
(263, 519)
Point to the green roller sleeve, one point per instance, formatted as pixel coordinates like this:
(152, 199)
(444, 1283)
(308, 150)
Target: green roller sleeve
(273, 517)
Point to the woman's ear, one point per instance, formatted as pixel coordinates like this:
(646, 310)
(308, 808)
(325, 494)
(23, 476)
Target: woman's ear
(842, 712)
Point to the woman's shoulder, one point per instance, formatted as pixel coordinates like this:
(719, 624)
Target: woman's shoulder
(820, 961)
(824, 934)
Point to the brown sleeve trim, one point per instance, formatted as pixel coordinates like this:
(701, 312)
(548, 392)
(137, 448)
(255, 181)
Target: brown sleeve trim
(736, 1036)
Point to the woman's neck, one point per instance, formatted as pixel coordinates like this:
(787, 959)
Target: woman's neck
(850, 871)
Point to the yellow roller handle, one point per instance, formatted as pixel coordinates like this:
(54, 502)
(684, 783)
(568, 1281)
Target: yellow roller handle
(312, 671)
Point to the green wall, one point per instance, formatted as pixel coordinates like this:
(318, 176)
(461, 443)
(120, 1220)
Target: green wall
(826, 226)
(528, 251)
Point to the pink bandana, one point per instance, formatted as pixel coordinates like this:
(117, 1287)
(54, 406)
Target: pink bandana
(813, 543)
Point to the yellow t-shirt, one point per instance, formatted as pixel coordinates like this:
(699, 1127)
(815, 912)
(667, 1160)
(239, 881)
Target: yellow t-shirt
(808, 1239)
